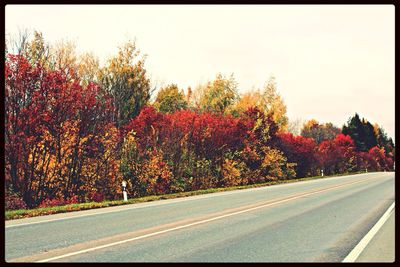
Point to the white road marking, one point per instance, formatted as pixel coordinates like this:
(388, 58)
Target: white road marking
(353, 255)
(192, 224)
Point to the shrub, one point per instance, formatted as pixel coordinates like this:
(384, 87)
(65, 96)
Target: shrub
(231, 173)
(52, 202)
(96, 196)
(72, 200)
(14, 201)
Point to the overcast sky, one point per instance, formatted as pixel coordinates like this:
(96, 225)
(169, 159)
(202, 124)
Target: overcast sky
(329, 61)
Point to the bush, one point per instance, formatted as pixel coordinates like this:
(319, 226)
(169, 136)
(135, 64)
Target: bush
(14, 201)
(72, 200)
(52, 202)
(96, 196)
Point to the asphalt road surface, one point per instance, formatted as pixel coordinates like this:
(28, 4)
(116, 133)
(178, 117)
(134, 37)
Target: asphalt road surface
(312, 221)
(381, 246)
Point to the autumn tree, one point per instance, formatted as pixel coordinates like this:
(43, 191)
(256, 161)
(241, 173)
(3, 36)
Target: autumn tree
(170, 99)
(378, 160)
(250, 99)
(295, 126)
(261, 153)
(275, 105)
(59, 136)
(64, 58)
(37, 50)
(125, 79)
(219, 94)
(88, 68)
(17, 44)
(300, 150)
(38, 102)
(319, 132)
(383, 140)
(267, 100)
(75, 129)
(337, 155)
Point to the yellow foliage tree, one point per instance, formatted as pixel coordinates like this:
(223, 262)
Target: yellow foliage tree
(275, 105)
(219, 94)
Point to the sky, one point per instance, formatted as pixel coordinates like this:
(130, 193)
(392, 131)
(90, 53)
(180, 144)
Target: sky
(329, 61)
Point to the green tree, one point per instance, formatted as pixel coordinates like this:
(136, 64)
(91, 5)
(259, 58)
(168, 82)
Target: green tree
(369, 134)
(362, 132)
(170, 99)
(218, 95)
(126, 80)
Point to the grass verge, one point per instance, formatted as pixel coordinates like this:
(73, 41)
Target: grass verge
(25, 213)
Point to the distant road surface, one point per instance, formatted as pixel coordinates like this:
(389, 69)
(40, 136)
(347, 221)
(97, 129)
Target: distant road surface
(311, 221)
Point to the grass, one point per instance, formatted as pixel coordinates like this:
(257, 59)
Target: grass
(25, 213)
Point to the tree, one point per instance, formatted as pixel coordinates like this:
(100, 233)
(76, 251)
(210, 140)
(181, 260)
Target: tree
(218, 95)
(338, 155)
(264, 161)
(379, 160)
(319, 132)
(17, 44)
(362, 132)
(170, 99)
(64, 59)
(383, 140)
(294, 126)
(275, 105)
(266, 100)
(125, 79)
(59, 137)
(37, 51)
(251, 99)
(299, 150)
(88, 68)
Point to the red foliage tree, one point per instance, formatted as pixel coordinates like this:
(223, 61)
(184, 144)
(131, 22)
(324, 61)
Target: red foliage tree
(338, 155)
(378, 161)
(53, 125)
(299, 150)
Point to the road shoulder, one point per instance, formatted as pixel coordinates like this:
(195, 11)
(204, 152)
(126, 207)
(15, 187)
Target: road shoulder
(382, 246)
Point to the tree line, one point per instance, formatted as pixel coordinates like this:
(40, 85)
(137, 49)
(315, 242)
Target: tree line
(74, 129)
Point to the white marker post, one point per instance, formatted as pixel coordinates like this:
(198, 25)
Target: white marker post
(322, 173)
(124, 191)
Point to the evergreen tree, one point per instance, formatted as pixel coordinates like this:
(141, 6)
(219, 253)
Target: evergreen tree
(369, 135)
(362, 132)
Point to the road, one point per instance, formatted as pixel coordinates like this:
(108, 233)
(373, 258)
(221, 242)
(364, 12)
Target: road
(380, 248)
(311, 221)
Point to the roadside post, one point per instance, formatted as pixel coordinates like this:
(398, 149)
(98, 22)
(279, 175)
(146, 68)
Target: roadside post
(322, 172)
(124, 191)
